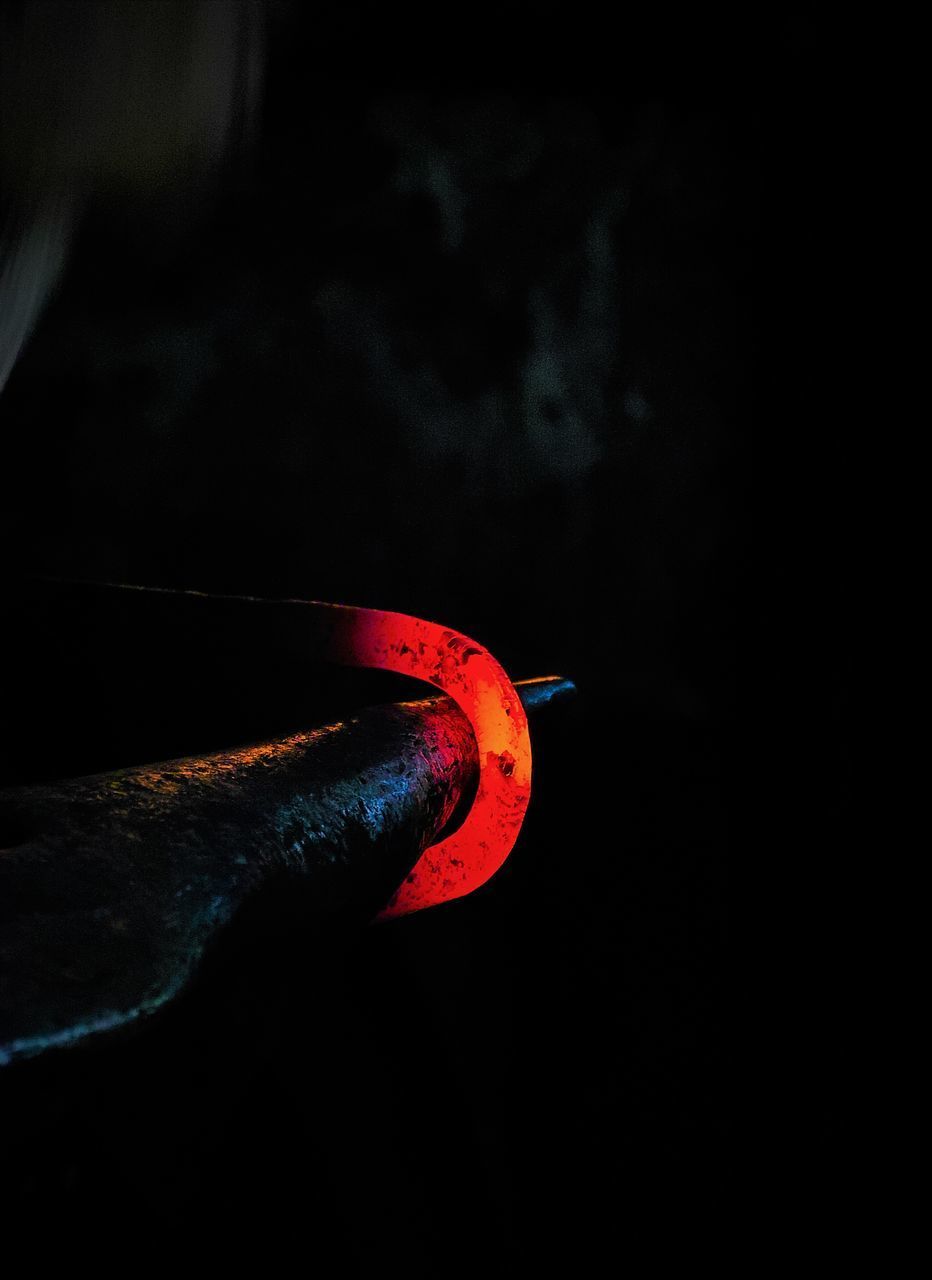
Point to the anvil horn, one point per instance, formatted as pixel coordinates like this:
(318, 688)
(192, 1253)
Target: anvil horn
(113, 886)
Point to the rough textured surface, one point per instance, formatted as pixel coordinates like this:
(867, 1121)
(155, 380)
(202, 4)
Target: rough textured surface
(113, 886)
(116, 884)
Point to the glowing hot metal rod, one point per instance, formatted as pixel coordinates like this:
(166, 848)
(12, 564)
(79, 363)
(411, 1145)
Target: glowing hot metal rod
(477, 684)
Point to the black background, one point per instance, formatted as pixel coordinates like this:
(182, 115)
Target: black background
(470, 335)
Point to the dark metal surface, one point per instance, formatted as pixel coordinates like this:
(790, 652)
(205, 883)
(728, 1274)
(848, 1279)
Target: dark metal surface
(113, 886)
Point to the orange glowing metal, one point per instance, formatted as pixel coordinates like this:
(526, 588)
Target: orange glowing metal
(476, 682)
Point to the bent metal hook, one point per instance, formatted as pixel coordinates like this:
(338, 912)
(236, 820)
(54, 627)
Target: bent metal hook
(469, 675)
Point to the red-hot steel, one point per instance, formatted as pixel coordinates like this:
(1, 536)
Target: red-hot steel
(476, 682)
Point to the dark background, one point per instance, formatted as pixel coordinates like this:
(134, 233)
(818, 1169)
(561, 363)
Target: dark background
(468, 332)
